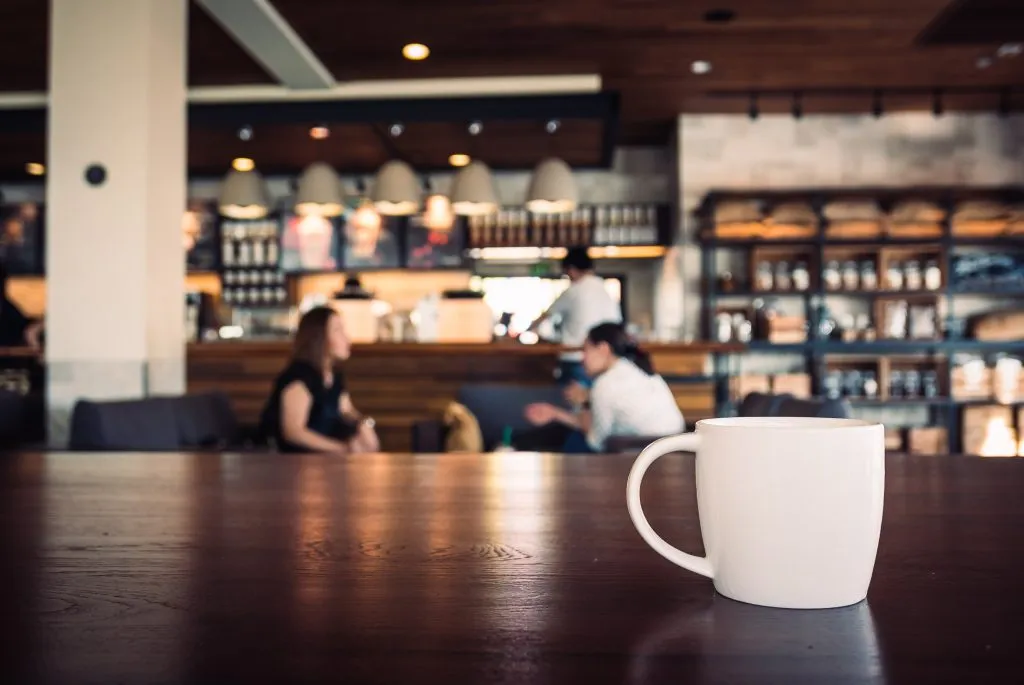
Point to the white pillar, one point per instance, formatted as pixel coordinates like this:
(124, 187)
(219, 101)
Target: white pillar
(115, 261)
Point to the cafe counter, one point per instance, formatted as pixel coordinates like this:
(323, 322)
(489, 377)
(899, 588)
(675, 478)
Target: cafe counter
(402, 383)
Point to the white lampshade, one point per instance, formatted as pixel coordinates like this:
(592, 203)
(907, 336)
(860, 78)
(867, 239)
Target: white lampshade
(552, 188)
(319, 192)
(438, 215)
(243, 195)
(473, 192)
(396, 192)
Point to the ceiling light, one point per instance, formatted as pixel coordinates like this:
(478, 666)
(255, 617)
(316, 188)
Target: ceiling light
(243, 195)
(319, 192)
(396, 192)
(473, 192)
(700, 66)
(245, 133)
(459, 159)
(35, 169)
(396, 129)
(983, 62)
(1010, 49)
(552, 188)
(438, 215)
(243, 164)
(415, 51)
(476, 128)
(319, 132)
(719, 16)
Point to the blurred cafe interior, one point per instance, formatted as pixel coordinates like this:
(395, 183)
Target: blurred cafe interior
(844, 231)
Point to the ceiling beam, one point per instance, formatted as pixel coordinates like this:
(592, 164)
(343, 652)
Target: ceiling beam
(412, 89)
(262, 32)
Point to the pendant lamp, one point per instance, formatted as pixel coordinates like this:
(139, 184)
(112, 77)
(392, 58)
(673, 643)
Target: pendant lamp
(438, 214)
(473, 192)
(552, 188)
(243, 195)
(396, 191)
(319, 192)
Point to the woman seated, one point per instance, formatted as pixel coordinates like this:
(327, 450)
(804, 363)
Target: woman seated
(309, 409)
(627, 397)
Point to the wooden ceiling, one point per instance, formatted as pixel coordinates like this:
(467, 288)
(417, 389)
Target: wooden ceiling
(836, 52)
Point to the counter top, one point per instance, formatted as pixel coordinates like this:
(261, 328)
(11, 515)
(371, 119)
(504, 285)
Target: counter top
(265, 346)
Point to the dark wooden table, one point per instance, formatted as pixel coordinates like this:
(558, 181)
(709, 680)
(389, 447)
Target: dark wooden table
(467, 569)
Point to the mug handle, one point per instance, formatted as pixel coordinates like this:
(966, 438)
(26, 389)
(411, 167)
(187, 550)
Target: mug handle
(688, 442)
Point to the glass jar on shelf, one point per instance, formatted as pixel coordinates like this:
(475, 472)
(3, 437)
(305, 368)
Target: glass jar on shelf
(932, 275)
(783, 280)
(764, 278)
(831, 276)
(894, 276)
(912, 277)
(801, 277)
(851, 276)
(868, 275)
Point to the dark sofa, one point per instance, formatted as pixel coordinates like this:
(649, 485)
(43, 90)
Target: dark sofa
(204, 421)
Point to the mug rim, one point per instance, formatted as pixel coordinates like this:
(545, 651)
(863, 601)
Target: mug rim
(785, 423)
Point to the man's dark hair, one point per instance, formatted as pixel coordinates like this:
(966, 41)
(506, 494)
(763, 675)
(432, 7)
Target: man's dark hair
(577, 258)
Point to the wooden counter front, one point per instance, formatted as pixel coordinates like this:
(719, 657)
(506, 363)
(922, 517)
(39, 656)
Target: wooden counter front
(401, 383)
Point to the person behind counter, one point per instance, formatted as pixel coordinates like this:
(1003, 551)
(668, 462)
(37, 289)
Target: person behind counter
(16, 329)
(309, 409)
(583, 305)
(627, 397)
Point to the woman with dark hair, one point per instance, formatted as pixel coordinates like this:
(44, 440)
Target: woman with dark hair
(309, 409)
(627, 397)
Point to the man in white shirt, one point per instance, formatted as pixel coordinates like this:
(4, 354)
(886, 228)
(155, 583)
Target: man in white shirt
(583, 305)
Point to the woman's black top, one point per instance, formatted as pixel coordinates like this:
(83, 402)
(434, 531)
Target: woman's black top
(324, 414)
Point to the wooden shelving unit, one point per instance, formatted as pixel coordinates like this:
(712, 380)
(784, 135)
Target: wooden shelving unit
(882, 354)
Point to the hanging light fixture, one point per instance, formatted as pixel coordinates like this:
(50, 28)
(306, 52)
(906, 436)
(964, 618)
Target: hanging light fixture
(552, 187)
(396, 192)
(437, 213)
(473, 192)
(319, 192)
(243, 195)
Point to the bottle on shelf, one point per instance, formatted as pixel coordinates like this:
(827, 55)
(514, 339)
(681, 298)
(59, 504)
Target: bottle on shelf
(600, 225)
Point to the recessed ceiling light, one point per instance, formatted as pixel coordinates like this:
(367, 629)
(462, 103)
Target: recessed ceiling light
(458, 160)
(243, 164)
(319, 132)
(1010, 49)
(719, 16)
(983, 62)
(35, 169)
(415, 51)
(700, 66)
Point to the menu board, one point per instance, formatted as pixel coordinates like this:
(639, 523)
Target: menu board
(199, 233)
(431, 249)
(21, 238)
(372, 244)
(310, 243)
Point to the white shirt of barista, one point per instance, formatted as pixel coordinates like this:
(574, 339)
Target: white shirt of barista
(584, 304)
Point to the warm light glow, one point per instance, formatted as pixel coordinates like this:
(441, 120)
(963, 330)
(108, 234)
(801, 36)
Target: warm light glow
(415, 51)
(319, 132)
(35, 169)
(327, 209)
(551, 206)
(438, 215)
(243, 164)
(459, 159)
(531, 254)
(366, 218)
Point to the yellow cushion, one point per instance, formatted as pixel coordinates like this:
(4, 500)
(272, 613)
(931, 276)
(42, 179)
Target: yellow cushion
(463, 430)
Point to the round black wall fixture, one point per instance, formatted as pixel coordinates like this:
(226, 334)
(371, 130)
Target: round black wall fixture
(95, 175)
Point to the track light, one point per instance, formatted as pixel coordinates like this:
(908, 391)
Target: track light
(396, 129)
(937, 105)
(754, 111)
(877, 109)
(798, 106)
(245, 133)
(476, 128)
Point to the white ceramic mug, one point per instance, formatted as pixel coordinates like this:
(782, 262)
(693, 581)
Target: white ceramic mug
(790, 508)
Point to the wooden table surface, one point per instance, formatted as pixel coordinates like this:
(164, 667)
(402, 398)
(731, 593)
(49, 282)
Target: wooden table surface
(466, 569)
